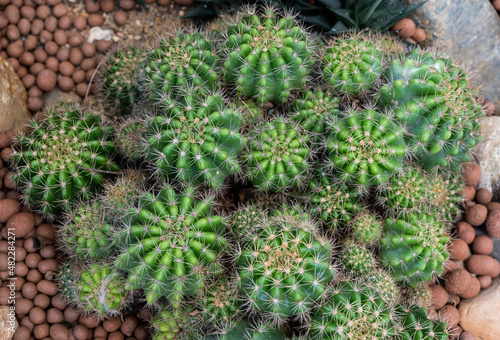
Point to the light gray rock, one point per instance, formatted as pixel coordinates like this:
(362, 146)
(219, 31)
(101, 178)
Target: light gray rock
(14, 113)
(8, 322)
(97, 33)
(57, 96)
(481, 314)
(488, 155)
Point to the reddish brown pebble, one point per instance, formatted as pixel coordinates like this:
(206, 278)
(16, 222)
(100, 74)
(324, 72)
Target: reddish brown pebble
(465, 231)
(453, 300)
(47, 287)
(120, 17)
(459, 250)
(163, 2)
(64, 22)
(34, 70)
(75, 39)
(112, 324)
(81, 89)
(46, 232)
(91, 321)
(42, 301)
(78, 76)
(482, 245)
(59, 332)
(34, 276)
(23, 306)
(47, 265)
(80, 22)
(404, 27)
(473, 289)
(50, 24)
(95, 20)
(66, 68)
(471, 173)
(15, 49)
(141, 332)
(80, 332)
(28, 12)
(129, 325)
(483, 265)
(88, 50)
(54, 315)
(103, 45)
(37, 315)
(76, 56)
(8, 208)
(21, 224)
(467, 336)
(92, 6)
(476, 215)
(107, 6)
(450, 314)
(71, 314)
(127, 4)
(60, 10)
(22, 333)
(35, 104)
(63, 54)
(41, 331)
(493, 224)
(439, 296)
(59, 302)
(46, 80)
(52, 64)
(484, 281)
(457, 281)
(12, 14)
(483, 196)
(492, 206)
(468, 192)
(184, 2)
(489, 107)
(60, 37)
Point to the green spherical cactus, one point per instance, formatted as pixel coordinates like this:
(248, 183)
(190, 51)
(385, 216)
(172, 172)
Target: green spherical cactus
(123, 193)
(88, 232)
(197, 140)
(101, 290)
(246, 220)
(277, 156)
(430, 96)
(174, 243)
(182, 61)
(245, 330)
(414, 324)
(120, 78)
(365, 147)
(444, 196)
(420, 296)
(250, 113)
(64, 159)
(352, 64)
(356, 259)
(382, 282)
(129, 140)
(266, 57)
(175, 324)
(413, 248)
(220, 304)
(332, 201)
(312, 110)
(366, 228)
(67, 278)
(352, 311)
(285, 269)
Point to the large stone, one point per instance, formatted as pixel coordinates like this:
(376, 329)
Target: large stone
(8, 322)
(14, 113)
(488, 155)
(57, 96)
(481, 314)
(469, 29)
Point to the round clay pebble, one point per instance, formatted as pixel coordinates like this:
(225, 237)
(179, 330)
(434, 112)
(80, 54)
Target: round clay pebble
(8, 208)
(439, 296)
(28, 12)
(80, 332)
(42, 301)
(40, 55)
(141, 332)
(50, 24)
(78, 76)
(489, 107)
(482, 245)
(476, 215)
(12, 14)
(14, 63)
(457, 281)
(129, 325)
(454, 332)
(15, 49)
(22, 71)
(20, 253)
(46, 232)
(88, 64)
(30, 43)
(46, 80)
(21, 223)
(116, 336)
(95, 20)
(24, 26)
(59, 332)
(34, 70)
(454, 300)
(51, 48)
(41, 331)
(66, 84)
(89, 320)
(76, 39)
(404, 27)
(127, 4)
(47, 287)
(81, 89)
(60, 10)
(120, 17)
(35, 104)
(471, 173)
(29, 81)
(26, 322)
(64, 22)
(459, 250)
(112, 324)
(13, 33)
(37, 315)
(37, 27)
(107, 6)
(47, 265)
(163, 2)
(48, 252)
(23, 306)
(63, 54)
(103, 45)
(483, 196)
(483, 265)
(465, 231)
(473, 289)
(467, 336)
(71, 314)
(76, 56)
(60, 37)
(66, 68)
(43, 12)
(34, 276)
(22, 333)
(493, 224)
(88, 49)
(450, 314)
(184, 2)
(484, 281)
(92, 6)
(80, 22)
(27, 59)
(89, 75)
(492, 206)
(58, 301)
(29, 290)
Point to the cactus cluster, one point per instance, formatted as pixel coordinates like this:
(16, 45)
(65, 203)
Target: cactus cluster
(176, 323)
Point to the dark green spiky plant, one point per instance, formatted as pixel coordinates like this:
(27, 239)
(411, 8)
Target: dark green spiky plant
(245, 330)
(175, 323)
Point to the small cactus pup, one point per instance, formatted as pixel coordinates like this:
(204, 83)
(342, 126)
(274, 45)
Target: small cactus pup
(312, 110)
(250, 113)
(266, 56)
(88, 232)
(420, 296)
(366, 228)
(352, 311)
(415, 324)
(365, 147)
(444, 196)
(67, 278)
(175, 323)
(285, 269)
(129, 140)
(413, 248)
(120, 76)
(246, 330)
(64, 159)
(174, 243)
(196, 141)
(101, 290)
(182, 61)
(357, 259)
(245, 220)
(352, 64)
(277, 156)
(430, 96)
(334, 202)
(382, 282)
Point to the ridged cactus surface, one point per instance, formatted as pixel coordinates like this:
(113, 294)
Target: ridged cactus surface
(245, 330)
(357, 259)
(415, 324)
(174, 323)
(366, 228)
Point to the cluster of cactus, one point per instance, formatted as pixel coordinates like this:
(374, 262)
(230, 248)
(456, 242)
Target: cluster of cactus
(316, 142)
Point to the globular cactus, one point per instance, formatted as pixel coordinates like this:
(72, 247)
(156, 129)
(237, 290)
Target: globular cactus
(64, 159)
(174, 243)
(277, 156)
(352, 311)
(88, 232)
(66, 279)
(365, 147)
(129, 140)
(220, 304)
(444, 196)
(175, 324)
(266, 57)
(382, 282)
(366, 228)
(182, 61)
(101, 290)
(250, 113)
(352, 64)
(120, 78)
(332, 201)
(246, 330)
(245, 220)
(429, 95)
(414, 324)
(312, 110)
(285, 269)
(413, 248)
(357, 259)
(197, 140)
(420, 296)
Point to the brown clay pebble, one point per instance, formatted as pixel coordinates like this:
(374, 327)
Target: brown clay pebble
(88, 49)
(32, 260)
(81, 89)
(66, 68)
(465, 231)
(12, 14)
(91, 321)
(46, 80)
(47, 287)
(66, 84)
(80, 22)
(116, 336)
(75, 39)
(120, 17)
(50, 24)
(15, 49)
(24, 26)
(48, 252)
(483, 265)
(52, 64)
(59, 332)
(63, 54)
(163, 2)
(482, 245)
(28, 12)
(71, 314)
(35, 104)
(41, 331)
(473, 289)
(483, 196)
(54, 315)
(30, 43)
(141, 332)
(129, 325)
(8, 208)
(476, 215)
(454, 300)
(22, 71)
(484, 281)
(21, 223)
(99, 331)
(88, 64)
(22, 333)
(92, 6)
(457, 281)
(37, 315)
(489, 107)
(405, 28)
(76, 56)
(35, 92)
(450, 314)
(439, 296)
(43, 12)
(48, 265)
(471, 173)
(23, 306)
(459, 250)
(127, 4)
(60, 10)
(95, 20)
(64, 22)
(80, 332)
(59, 302)
(46, 232)
(103, 45)
(78, 76)
(492, 206)
(34, 276)
(29, 81)
(493, 224)
(111, 325)
(42, 301)
(29, 290)
(60, 37)
(467, 336)
(35, 69)
(107, 6)
(468, 192)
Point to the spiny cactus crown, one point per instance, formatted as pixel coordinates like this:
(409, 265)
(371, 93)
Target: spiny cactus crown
(67, 278)
(356, 259)
(366, 228)
(173, 244)
(382, 282)
(266, 57)
(123, 193)
(414, 324)
(129, 140)
(64, 159)
(246, 330)
(245, 221)
(175, 323)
